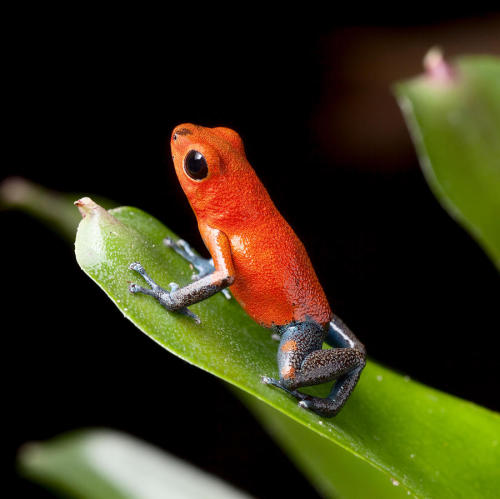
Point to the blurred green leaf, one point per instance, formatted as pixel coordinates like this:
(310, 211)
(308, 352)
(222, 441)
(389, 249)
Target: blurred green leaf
(426, 442)
(53, 208)
(453, 114)
(106, 464)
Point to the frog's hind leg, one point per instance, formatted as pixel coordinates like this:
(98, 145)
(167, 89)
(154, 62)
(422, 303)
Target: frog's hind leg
(342, 339)
(303, 362)
(339, 335)
(278, 384)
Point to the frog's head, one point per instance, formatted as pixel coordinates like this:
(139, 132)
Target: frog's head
(211, 166)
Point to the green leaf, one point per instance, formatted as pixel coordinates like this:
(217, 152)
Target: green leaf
(428, 443)
(335, 471)
(106, 464)
(453, 114)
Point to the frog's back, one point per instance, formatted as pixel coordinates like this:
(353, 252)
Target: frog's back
(275, 281)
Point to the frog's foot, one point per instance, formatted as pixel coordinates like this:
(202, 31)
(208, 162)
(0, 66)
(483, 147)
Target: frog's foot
(331, 405)
(163, 296)
(203, 266)
(266, 380)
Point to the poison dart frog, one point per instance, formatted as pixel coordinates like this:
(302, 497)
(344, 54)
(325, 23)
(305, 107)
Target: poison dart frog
(257, 255)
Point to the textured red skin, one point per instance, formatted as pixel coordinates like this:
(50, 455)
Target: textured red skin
(274, 278)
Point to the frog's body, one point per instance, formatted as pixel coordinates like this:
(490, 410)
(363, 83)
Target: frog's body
(258, 255)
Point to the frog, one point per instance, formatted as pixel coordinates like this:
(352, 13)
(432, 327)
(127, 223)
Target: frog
(258, 257)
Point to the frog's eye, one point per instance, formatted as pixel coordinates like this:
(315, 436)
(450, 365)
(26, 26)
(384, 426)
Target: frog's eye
(195, 165)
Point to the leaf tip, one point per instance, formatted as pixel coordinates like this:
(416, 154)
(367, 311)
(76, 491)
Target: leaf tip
(85, 206)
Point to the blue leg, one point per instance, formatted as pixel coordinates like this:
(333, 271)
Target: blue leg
(157, 292)
(277, 383)
(303, 362)
(342, 389)
(203, 266)
(340, 336)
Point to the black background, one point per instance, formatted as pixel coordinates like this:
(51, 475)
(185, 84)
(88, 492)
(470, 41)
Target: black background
(92, 98)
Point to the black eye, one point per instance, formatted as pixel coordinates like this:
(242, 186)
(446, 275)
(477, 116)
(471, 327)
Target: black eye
(195, 165)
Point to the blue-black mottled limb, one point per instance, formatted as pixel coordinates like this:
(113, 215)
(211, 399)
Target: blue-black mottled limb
(339, 335)
(177, 299)
(303, 362)
(276, 382)
(203, 266)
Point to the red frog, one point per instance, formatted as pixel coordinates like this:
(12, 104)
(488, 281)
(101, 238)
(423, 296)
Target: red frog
(257, 255)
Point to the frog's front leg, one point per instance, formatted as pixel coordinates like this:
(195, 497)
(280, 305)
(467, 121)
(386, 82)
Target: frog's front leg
(303, 362)
(203, 266)
(156, 291)
(178, 299)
